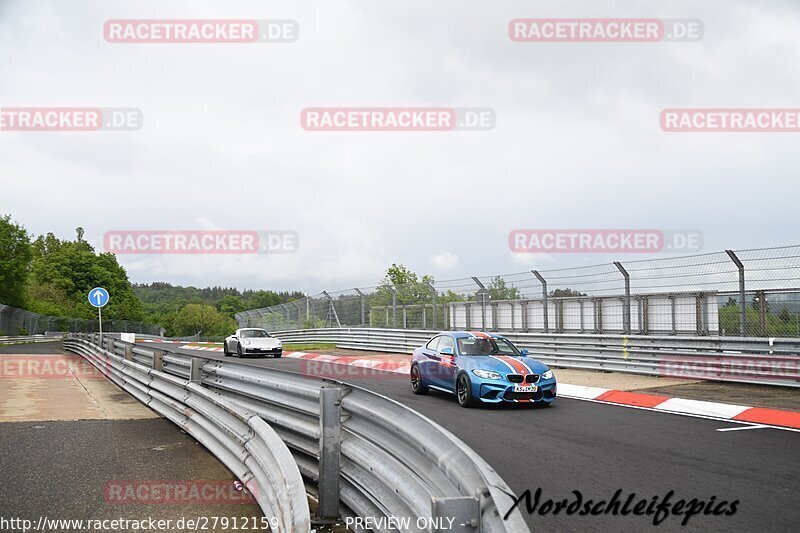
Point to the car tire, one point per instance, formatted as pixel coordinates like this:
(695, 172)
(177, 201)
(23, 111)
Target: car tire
(464, 391)
(277, 356)
(238, 350)
(417, 386)
(225, 351)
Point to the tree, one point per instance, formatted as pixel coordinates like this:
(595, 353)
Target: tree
(230, 305)
(499, 291)
(63, 273)
(565, 293)
(194, 318)
(785, 315)
(15, 258)
(411, 289)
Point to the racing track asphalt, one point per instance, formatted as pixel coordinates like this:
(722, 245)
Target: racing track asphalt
(598, 448)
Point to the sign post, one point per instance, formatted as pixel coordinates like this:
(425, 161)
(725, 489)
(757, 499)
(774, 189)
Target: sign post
(99, 297)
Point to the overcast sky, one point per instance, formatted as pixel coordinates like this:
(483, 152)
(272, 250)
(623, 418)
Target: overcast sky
(577, 142)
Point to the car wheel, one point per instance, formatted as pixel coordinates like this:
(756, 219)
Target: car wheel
(417, 386)
(239, 350)
(277, 356)
(225, 351)
(464, 391)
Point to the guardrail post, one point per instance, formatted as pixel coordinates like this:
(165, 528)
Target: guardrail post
(330, 443)
(128, 352)
(742, 302)
(158, 360)
(544, 299)
(363, 307)
(196, 369)
(110, 345)
(465, 513)
(626, 302)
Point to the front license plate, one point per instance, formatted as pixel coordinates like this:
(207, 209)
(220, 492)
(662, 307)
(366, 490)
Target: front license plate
(524, 388)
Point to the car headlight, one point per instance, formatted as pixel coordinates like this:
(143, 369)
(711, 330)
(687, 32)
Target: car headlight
(246, 342)
(486, 374)
(548, 375)
(280, 343)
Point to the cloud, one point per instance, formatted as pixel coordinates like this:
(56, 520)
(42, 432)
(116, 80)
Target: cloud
(444, 261)
(576, 144)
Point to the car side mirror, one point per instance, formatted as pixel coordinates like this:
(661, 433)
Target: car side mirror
(446, 351)
(524, 351)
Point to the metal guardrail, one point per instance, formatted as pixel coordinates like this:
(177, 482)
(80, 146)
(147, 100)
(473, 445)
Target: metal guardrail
(362, 454)
(248, 446)
(766, 361)
(29, 338)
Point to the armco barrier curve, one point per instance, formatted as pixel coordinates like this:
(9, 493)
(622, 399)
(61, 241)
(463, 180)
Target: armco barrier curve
(766, 361)
(244, 443)
(374, 456)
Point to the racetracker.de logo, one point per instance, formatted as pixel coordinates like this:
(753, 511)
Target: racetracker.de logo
(200, 242)
(730, 120)
(603, 241)
(179, 492)
(50, 367)
(201, 31)
(741, 367)
(397, 119)
(70, 119)
(631, 30)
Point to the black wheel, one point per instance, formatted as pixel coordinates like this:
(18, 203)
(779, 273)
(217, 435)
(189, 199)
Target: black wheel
(277, 355)
(238, 350)
(225, 351)
(417, 386)
(464, 391)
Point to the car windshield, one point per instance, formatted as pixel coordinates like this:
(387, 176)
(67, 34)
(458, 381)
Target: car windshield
(479, 346)
(254, 333)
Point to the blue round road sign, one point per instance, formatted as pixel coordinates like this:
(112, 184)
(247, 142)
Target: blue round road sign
(98, 297)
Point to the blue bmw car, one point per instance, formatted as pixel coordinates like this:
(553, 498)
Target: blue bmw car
(481, 368)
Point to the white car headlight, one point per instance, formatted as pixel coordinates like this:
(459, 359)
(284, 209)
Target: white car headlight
(246, 342)
(279, 343)
(486, 374)
(548, 375)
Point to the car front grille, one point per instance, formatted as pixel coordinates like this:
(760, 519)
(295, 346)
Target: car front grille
(519, 378)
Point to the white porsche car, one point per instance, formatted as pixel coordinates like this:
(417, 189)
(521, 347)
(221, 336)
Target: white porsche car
(252, 341)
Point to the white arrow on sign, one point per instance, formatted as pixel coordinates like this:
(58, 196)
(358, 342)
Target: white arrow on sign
(98, 296)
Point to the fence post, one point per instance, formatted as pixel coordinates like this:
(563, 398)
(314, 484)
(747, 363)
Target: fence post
(482, 292)
(433, 296)
(330, 441)
(544, 299)
(762, 312)
(394, 306)
(299, 312)
(626, 302)
(363, 307)
(742, 302)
